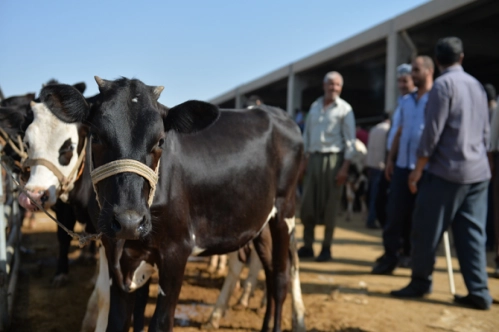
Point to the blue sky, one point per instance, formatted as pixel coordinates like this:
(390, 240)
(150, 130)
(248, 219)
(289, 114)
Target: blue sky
(195, 49)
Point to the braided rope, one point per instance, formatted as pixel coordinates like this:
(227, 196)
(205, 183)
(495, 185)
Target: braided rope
(124, 166)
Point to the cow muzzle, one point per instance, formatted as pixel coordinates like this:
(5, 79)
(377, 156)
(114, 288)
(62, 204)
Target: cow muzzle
(38, 196)
(129, 225)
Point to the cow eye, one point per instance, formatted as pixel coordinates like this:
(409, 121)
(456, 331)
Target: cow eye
(95, 139)
(161, 142)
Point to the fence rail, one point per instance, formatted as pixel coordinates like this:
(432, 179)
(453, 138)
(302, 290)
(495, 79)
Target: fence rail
(10, 240)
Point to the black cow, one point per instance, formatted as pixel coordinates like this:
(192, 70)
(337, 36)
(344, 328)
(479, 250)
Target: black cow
(223, 176)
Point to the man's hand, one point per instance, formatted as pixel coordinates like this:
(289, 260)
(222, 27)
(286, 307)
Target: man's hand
(389, 169)
(342, 175)
(414, 178)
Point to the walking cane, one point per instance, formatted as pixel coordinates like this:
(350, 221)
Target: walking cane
(449, 263)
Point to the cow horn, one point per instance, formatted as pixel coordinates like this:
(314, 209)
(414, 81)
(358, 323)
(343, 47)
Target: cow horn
(157, 91)
(103, 84)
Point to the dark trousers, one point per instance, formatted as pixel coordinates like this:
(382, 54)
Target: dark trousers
(382, 199)
(463, 207)
(399, 211)
(374, 178)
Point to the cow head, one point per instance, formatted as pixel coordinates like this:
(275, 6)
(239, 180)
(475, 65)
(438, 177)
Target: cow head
(45, 137)
(126, 123)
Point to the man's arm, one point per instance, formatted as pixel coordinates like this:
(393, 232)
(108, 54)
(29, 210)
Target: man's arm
(436, 114)
(392, 154)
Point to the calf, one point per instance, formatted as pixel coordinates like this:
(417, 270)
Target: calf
(223, 176)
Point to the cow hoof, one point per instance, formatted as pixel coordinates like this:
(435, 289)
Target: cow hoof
(210, 326)
(239, 307)
(60, 280)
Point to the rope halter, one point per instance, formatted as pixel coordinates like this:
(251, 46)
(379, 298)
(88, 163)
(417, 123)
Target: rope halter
(66, 183)
(126, 166)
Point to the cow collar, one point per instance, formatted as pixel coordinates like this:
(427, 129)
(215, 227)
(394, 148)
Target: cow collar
(66, 183)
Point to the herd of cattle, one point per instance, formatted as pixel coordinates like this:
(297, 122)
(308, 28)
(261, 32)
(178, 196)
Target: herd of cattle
(160, 185)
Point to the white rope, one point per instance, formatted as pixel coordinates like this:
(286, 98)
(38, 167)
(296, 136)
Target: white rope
(124, 166)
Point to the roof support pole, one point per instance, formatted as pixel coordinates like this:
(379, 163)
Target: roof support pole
(391, 71)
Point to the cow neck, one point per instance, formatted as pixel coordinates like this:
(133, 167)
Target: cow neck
(125, 166)
(18, 148)
(66, 184)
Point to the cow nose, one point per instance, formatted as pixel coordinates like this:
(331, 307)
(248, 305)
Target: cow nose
(128, 225)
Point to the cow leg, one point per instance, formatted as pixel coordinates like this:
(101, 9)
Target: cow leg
(212, 266)
(279, 230)
(171, 274)
(250, 282)
(96, 316)
(222, 264)
(64, 214)
(263, 247)
(120, 309)
(230, 282)
(298, 308)
(140, 306)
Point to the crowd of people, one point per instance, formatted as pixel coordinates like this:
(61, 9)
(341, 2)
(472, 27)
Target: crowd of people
(430, 166)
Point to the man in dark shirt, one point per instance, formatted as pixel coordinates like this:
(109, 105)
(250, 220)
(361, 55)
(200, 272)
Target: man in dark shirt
(453, 192)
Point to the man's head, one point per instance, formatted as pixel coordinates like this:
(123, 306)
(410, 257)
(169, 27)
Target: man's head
(253, 101)
(332, 84)
(404, 79)
(422, 70)
(448, 52)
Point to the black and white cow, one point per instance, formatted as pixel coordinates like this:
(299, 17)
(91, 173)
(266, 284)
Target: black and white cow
(223, 176)
(23, 117)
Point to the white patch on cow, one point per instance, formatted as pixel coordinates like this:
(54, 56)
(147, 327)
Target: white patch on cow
(160, 291)
(141, 275)
(134, 100)
(196, 250)
(297, 303)
(291, 224)
(45, 135)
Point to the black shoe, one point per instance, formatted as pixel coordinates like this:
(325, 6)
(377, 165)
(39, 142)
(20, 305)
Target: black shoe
(324, 256)
(409, 291)
(472, 301)
(405, 261)
(384, 266)
(306, 252)
(372, 226)
(380, 258)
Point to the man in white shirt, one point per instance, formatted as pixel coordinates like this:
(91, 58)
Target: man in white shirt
(329, 139)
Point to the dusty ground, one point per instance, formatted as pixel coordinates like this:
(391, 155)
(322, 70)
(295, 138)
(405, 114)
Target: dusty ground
(339, 296)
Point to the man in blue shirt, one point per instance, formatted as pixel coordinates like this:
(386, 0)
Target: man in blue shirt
(453, 192)
(403, 152)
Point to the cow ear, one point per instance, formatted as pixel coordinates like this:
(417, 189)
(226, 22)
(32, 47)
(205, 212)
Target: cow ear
(12, 119)
(65, 102)
(81, 87)
(191, 116)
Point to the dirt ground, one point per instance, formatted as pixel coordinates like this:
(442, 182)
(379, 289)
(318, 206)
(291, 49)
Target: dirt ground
(339, 296)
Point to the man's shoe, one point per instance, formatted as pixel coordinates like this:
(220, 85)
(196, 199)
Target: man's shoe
(472, 301)
(409, 291)
(384, 266)
(306, 252)
(324, 256)
(405, 261)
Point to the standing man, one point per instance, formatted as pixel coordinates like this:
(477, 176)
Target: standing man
(405, 85)
(375, 162)
(453, 192)
(403, 153)
(329, 140)
(494, 166)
